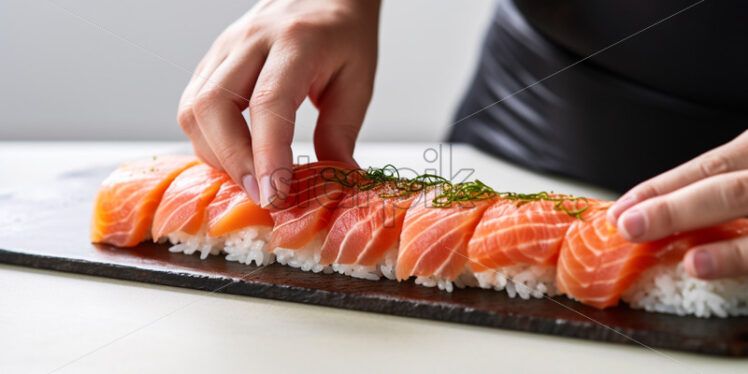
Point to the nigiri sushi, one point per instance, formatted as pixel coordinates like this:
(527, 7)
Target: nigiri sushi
(127, 200)
(371, 224)
(364, 234)
(243, 227)
(516, 243)
(204, 211)
(597, 266)
(302, 222)
(433, 244)
(180, 215)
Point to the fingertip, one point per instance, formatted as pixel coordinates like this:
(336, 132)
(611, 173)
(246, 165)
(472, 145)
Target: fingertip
(699, 263)
(353, 162)
(612, 217)
(633, 224)
(688, 265)
(345, 158)
(274, 188)
(620, 206)
(274, 176)
(328, 149)
(266, 191)
(249, 182)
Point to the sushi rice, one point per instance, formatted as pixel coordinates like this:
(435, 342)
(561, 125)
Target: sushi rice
(249, 245)
(385, 268)
(524, 281)
(465, 279)
(669, 289)
(191, 244)
(663, 288)
(246, 246)
(305, 258)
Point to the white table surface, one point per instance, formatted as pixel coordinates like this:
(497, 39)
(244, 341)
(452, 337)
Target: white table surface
(64, 323)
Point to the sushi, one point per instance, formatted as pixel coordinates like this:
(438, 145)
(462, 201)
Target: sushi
(434, 240)
(127, 200)
(364, 234)
(373, 224)
(239, 227)
(180, 215)
(204, 212)
(598, 267)
(301, 224)
(515, 246)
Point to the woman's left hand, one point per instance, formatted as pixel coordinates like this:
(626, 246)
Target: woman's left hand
(706, 191)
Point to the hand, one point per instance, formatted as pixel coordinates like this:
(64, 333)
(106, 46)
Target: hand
(271, 59)
(706, 191)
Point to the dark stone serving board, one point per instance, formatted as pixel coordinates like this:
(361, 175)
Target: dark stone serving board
(47, 227)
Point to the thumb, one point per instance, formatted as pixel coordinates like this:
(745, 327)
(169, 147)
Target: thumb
(342, 107)
(718, 260)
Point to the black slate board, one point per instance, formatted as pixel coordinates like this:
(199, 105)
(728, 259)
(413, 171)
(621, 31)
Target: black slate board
(47, 227)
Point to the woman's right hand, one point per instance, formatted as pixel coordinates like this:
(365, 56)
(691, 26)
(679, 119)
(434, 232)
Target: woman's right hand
(706, 191)
(270, 60)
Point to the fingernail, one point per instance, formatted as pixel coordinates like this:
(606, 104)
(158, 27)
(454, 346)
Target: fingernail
(621, 205)
(250, 185)
(633, 224)
(267, 191)
(703, 263)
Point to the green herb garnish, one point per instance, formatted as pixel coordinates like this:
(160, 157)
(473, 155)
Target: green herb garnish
(450, 193)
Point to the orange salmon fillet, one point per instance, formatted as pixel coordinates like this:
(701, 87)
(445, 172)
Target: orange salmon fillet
(308, 207)
(364, 227)
(232, 210)
(596, 264)
(127, 200)
(434, 240)
(520, 233)
(182, 207)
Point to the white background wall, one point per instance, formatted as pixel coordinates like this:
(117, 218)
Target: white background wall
(62, 77)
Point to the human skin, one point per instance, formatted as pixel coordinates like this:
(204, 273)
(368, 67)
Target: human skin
(706, 191)
(283, 51)
(270, 60)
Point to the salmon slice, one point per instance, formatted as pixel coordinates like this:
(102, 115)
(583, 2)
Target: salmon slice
(673, 248)
(182, 208)
(232, 210)
(365, 226)
(128, 198)
(310, 203)
(596, 264)
(520, 233)
(434, 240)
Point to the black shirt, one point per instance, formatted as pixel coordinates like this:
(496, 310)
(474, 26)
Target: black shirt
(660, 86)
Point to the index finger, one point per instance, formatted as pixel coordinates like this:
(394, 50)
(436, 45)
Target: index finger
(218, 110)
(702, 204)
(723, 159)
(281, 87)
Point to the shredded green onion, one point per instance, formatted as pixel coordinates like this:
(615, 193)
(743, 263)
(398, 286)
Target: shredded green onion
(449, 193)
